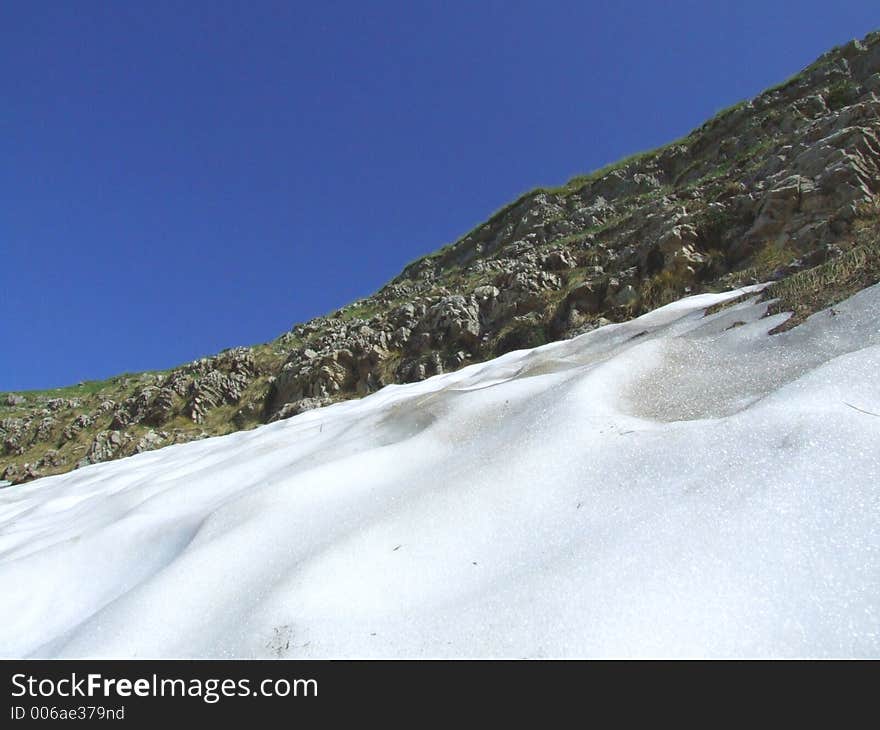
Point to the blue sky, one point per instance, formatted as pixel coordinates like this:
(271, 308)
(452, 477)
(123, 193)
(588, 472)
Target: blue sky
(182, 177)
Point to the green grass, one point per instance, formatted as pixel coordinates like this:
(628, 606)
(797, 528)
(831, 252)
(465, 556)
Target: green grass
(579, 181)
(813, 290)
(841, 94)
(80, 390)
(521, 335)
(364, 310)
(726, 111)
(663, 288)
(591, 231)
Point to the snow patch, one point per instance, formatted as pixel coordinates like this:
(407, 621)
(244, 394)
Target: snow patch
(678, 485)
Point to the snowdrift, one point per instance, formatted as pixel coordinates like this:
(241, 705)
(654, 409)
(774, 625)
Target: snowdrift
(679, 485)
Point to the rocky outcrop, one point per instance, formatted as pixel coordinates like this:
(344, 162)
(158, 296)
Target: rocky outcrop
(104, 446)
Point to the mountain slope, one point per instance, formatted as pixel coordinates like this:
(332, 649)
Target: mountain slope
(680, 484)
(774, 187)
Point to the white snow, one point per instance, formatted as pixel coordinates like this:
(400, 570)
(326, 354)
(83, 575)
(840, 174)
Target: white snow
(670, 486)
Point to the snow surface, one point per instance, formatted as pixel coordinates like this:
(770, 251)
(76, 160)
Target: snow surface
(672, 486)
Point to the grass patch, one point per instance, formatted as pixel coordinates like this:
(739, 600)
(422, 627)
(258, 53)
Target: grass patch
(663, 288)
(80, 390)
(823, 286)
(773, 257)
(364, 310)
(521, 335)
(841, 94)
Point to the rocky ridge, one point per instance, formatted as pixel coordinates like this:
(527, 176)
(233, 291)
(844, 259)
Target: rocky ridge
(782, 187)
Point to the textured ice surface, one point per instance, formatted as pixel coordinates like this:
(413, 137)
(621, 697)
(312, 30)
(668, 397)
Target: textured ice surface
(676, 485)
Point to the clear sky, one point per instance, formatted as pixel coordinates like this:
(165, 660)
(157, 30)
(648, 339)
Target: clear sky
(178, 178)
